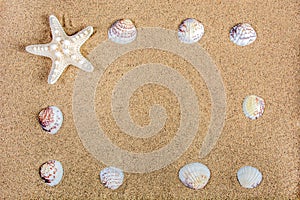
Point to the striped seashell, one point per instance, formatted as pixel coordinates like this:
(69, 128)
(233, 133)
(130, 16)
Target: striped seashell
(253, 106)
(51, 172)
(190, 31)
(249, 177)
(51, 119)
(112, 177)
(242, 34)
(194, 175)
(122, 31)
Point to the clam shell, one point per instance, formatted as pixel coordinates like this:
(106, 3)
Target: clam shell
(112, 177)
(249, 177)
(242, 34)
(51, 172)
(51, 119)
(122, 31)
(253, 106)
(190, 31)
(194, 175)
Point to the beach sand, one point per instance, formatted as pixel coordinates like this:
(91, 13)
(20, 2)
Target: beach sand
(268, 68)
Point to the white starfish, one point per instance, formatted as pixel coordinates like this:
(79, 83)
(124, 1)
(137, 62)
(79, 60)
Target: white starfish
(63, 50)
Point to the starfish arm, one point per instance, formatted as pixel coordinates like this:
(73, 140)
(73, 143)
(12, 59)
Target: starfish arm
(83, 63)
(57, 69)
(82, 36)
(56, 28)
(39, 49)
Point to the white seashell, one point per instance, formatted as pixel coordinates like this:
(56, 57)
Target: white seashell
(249, 177)
(194, 175)
(242, 34)
(122, 31)
(253, 106)
(51, 119)
(112, 177)
(190, 31)
(51, 172)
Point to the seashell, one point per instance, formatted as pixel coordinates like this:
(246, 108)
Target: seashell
(51, 119)
(253, 106)
(249, 177)
(242, 34)
(51, 172)
(122, 31)
(112, 177)
(190, 31)
(194, 175)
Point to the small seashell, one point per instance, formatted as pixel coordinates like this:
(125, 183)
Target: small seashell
(51, 119)
(194, 175)
(112, 177)
(253, 106)
(122, 31)
(249, 177)
(242, 34)
(51, 172)
(190, 31)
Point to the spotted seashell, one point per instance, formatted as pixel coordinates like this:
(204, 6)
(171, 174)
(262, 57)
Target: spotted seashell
(122, 31)
(112, 177)
(51, 172)
(249, 177)
(190, 31)
(242, 34)
(51, 119)
(253, 106)
(194, 175)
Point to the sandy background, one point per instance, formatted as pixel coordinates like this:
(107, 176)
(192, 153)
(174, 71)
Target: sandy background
(268, 68)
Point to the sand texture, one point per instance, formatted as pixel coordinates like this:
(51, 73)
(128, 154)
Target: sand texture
(269, 68)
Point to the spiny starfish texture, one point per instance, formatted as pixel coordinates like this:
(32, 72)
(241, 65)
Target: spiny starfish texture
(63, 50)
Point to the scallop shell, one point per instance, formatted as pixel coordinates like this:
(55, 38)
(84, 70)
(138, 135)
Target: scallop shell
(249, 177)
(194, 175)
(51, 119)
(112, 177)
(253, 106)
(122, 31)
(190, 31)
(51, 172)
(242, 34)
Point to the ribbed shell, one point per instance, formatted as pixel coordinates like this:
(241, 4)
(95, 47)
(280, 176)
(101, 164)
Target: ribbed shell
(112, 177)
(51, 172)
(249, 177)
(253, 106)
(190, 31)
(242, 34)
(51, 119)
(123, 31)
(194, 175)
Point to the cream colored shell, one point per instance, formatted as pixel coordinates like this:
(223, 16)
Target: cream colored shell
(194, 175)
(242, 34)
(51, 172)
(51, 119)
(190, 31)
(112, 177)
(249, 177)
(253, 106)
(123, 31)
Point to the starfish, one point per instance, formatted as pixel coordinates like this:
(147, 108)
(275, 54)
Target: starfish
(63, 50)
